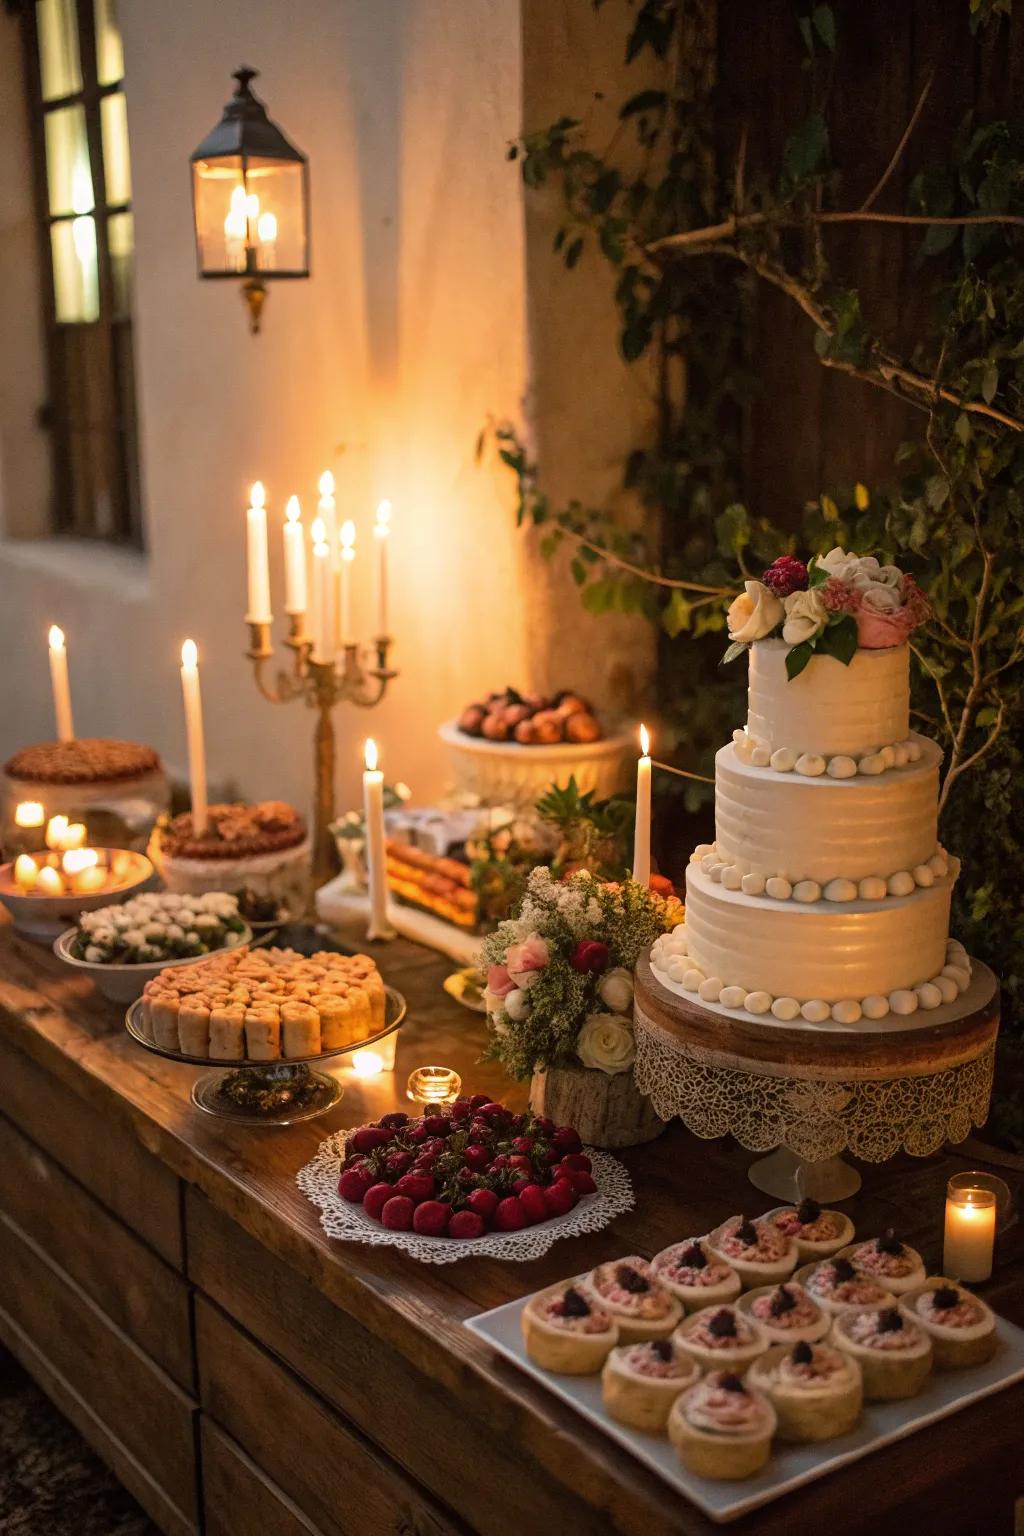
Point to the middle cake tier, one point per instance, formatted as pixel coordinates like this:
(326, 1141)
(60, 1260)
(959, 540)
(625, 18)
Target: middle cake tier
(786, 825)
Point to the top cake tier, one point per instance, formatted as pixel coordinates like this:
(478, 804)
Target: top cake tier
(829, 708)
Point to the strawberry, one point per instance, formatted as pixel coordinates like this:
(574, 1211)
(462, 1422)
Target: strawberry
(368, 1138)
(543, 1126)
(519, 1164)
(376, 1198)
(354, 1183)
(398, 1213)
(484, 1202)
(431, 1218)
(438, 1125)
(578, 1160)
(501, 1161)
(566, 1139)
(434, 1144)
(418, 1186)
(518, 1185)
(466, 1224)
(509, 1215)
(476, 1157)
(479, 1100)
(462, 1109)
(582, 1183)
(399, 1161)
(417, 1133)
(559, 1198)
(550, 1156)
(533, 1203)
(523, 1144)
(493, 1111)
(424, 1163)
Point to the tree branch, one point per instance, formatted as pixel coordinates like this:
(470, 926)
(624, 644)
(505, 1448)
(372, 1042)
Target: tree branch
(711, 234)
(897, 153)
(681, 772)
(956, 769)
(714, 593)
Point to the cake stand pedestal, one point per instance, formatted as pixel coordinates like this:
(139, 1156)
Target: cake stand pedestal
(808, 1092)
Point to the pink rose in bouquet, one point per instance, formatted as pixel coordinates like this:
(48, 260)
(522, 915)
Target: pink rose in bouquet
(499, 982)
(524, 960)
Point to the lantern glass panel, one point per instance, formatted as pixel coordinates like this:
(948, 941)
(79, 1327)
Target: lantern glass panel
(75, 274)
(68, 172)
(59, 65)
(116, 164)
(250, 216)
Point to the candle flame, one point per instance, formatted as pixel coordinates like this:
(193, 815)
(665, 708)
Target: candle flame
(29, 813)
(370, 754)
(293, 511)
(383, 516)
(326, 483)
(645, 741)
(348, 534)
(318, 530)
(367, 1063)
(257, 495)
(189, 655)
(266, 227)
(56, 638)
(77, 859)
(238, 201)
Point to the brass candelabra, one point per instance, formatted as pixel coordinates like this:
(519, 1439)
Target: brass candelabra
(322, 685)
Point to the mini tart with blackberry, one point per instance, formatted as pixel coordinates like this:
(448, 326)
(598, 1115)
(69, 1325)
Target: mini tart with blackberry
(816, 1232)
(722, 1337)
(838, 1286)
(640, 1382)
(694, 1276)
(961, 1327)
(816, 1390)
(721, 1428)
(892, 1349)
(786, 1312)
(565, 1332)
(629, 1291)
(756, 1250)
(894, 1264)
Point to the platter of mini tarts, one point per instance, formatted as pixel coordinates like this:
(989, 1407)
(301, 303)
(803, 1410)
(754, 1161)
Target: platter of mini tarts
(888, 1373)
(959, 1344)
(809, 1406)
(879, 1297)
(888, 1245)
(738, 1338)
(635, 1396)
(752, 1270)
(640, 1307)
(807, 1214)
(724, 1453)
(566, 1346)
(666, 1265)
(773, 1306)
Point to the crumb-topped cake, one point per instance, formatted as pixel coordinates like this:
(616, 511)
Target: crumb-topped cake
(118, 788)
(721, 1428)
(262, 846)
(567, 1331)
(264, 1005)
(961, 1327)
(640, 1382)
(84, 760)
(815, 1389)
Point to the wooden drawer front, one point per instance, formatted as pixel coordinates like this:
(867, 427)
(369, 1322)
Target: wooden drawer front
(99, 1151)
(138, 1292)
(238, 1498)
(141, 1406)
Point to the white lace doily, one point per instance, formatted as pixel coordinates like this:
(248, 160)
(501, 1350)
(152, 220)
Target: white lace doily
(350, 1223)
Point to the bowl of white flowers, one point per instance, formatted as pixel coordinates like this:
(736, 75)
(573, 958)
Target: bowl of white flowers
(121, 947)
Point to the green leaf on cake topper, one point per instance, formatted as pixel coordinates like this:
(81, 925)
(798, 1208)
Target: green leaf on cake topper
(817, 574)
(798, 658)
(839, 638)
(735, 649)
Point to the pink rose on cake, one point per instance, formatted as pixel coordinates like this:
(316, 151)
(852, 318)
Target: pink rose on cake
(883, 618)
(754, 614)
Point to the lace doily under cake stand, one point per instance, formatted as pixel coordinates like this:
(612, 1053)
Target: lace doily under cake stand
(813, 1091)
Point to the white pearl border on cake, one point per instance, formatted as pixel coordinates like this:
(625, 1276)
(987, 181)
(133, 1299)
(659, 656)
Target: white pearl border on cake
(670, 954)
(784, 888)
(811, 765)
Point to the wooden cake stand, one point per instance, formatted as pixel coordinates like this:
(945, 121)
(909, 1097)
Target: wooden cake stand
(813, 1091)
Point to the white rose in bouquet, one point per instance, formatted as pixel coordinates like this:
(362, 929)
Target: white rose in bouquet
(754, 614)
(517, 1004)
(806, 614)
(615, 989)
(607, 1043)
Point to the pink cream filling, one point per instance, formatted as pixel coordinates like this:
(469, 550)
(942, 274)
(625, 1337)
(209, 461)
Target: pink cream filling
(771, 1246)
(711, 1407)
(713, 1273)
(827, 1226)
(702, 1334)
(865, 1328)
(964, 1315)
(593, 1322)
(653, 1303)
(800, 1316)
(861, 1291)
(894, 1265)
(646, 1361)
(824, 1364)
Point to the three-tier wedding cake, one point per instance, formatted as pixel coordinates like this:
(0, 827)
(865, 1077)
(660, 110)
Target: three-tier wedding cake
(825, 894)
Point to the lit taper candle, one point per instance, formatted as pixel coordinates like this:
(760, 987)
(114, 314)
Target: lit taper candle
(381, 539)
(327, 511)
(194, 733)
(294, 559)
(60, 685)
(642, 834)
(259, 564)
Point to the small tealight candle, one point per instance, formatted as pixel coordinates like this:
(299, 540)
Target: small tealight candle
(367, 1063)
(56, 831)
(26, 872)
(970, 1229)
(29, 813)
(90, 880)
(433, 1085)
(49, 882)
(74, 836)
(78, 859)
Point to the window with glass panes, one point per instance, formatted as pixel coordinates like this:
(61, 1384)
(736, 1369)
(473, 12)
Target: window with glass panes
(75, 66)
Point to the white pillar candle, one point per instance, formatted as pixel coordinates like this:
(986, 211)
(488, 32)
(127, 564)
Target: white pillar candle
(346, 629)
(327, 511)
(194, 732)
(376, 857)
(60, 685)
(29, 814)
(642, 834)
(294, 559)
(56, 831)
(49, 882)
(258, 563)
(381, 534)
(970, 1233)
(322, 604)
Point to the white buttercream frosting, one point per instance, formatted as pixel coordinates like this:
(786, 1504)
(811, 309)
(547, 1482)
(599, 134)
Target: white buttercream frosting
(829, 709)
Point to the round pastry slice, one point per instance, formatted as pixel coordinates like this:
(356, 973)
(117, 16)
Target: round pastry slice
(721, 1429)
(837, 1286)
(628, 1290)
(815, 1389)
(786, 1312)
(640, 1382)
(961, 1327)
(898, 1266)
(892, 1349)
(816, 1232)
(756, 1250)
(721, 1336)
(694, 1276)
(565, 1332)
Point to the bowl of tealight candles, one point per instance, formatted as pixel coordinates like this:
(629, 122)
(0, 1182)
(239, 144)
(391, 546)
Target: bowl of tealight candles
(45, 891)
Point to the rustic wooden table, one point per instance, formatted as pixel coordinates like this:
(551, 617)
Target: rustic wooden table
(172, 1290)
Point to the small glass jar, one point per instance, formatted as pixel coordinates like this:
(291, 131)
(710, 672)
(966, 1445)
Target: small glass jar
(434, 1085)
(974, 1203)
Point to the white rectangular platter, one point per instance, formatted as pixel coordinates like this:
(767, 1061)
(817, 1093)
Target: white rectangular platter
(791, 1466)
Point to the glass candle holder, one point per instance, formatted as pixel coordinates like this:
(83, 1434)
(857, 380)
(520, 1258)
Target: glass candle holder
(376, 1058)
(972, 1202)
(433, 1085)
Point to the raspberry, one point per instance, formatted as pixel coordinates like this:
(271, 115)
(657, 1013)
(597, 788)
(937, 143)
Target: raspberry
(786, 575)
(484, 1202)
(418, 1186)
(476, 1157)
(533, 1203)
(559, 1198)
(582, 1183)
(376, 1198)
(438, 1125)
(354, 1183)
(398, 1213)
(431, 1218)
(368, 1138)
(509, 1215)
(466, 1224)
(578, 1160)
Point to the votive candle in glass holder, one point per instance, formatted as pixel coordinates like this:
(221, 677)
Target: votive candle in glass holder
(29, 814)
(970, 1229)
(433, 1085)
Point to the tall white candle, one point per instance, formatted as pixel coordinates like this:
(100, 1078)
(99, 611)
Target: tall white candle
(376, 858)
(381, 533)
(259, 563)
(346, 629)
(294, 559)
(194, 733)
(60, 685)
(327, 511)
(322, 604)
(642, 835)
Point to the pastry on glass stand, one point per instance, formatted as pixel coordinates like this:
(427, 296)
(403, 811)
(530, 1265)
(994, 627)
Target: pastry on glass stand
(694, 1276)
(566, 1332)
(816, 1232)
(838, 1286)
(756, 1250)
(721, 1428)
(961, 1327)
(628, 1290)
(786, 1312)
(895, 1264)
(640, 1382)
(892, 1349)
(815, 1389)
(722, 1337)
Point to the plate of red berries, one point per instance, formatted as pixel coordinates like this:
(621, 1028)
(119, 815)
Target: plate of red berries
(474, 1172)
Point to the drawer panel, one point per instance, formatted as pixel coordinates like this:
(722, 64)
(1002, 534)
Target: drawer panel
(238, 1498)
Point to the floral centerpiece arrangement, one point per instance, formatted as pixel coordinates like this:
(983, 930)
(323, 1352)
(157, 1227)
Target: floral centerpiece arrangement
(832, 606)
(560, 973)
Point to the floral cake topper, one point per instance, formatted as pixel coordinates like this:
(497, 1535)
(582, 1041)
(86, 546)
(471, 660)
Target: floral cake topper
(839, 603)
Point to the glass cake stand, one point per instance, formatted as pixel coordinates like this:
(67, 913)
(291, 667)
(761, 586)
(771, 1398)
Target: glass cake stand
(269, 1092)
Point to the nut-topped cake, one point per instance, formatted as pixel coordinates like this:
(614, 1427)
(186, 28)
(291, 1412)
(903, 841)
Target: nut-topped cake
(260, 846)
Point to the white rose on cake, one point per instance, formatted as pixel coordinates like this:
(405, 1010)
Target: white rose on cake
(615, 989)
(806, 616)
(754, 614)
(606, 1043)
